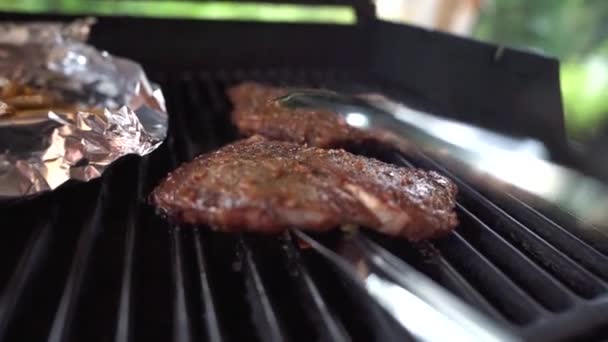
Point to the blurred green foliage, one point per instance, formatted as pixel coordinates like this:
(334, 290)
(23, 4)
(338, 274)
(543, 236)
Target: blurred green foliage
(575, 31)
(210, 10)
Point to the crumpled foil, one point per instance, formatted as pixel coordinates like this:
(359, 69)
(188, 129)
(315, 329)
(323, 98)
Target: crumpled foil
(102, 107)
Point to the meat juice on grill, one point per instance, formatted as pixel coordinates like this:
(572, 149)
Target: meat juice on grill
(265, 186)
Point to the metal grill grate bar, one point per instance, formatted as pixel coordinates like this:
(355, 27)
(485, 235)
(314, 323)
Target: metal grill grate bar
(123, 326)
(31, 260)
(377, 324)
(124, 323)
(495, 285)
(406, 276)
(157, 264)
(194, 99)
(558, 264)
(182, 331)
(579, 279)
(591, 235)
(264, 314)
(332, 328)
(427, 259)
(182, 147)
(533, 279)
(210, 319)
(182, 322)
(60, 329)
(576, 322)
(517, 266)
(557, 235)
(152, 293)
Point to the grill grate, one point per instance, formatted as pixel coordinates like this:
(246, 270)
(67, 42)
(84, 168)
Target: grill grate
(94, 262)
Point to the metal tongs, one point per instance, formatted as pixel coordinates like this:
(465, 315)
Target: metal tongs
(490, 157)
(423, 308)
(426, 310)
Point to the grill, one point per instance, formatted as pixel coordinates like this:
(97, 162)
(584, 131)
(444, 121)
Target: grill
(93, 262)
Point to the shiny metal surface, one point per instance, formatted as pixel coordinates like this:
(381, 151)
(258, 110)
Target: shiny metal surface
(514, 165)
(415, 301)
(71, 110)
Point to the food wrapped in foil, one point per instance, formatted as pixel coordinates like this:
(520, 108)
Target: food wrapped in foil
(68, 110)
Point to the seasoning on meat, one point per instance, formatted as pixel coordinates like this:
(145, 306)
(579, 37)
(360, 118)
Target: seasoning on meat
(266, 186)
(256, 111)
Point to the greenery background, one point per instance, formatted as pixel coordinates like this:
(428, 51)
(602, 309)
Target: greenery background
(576, 31)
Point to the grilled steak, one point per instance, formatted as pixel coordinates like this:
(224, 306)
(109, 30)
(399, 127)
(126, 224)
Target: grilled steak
(256, 112)
(267, 186)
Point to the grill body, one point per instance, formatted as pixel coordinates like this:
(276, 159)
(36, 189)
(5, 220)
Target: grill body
(93, 262)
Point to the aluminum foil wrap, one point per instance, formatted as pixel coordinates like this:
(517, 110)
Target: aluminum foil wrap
(68, 110)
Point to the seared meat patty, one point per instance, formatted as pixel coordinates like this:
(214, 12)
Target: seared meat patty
(267, 186)
(256, 112)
